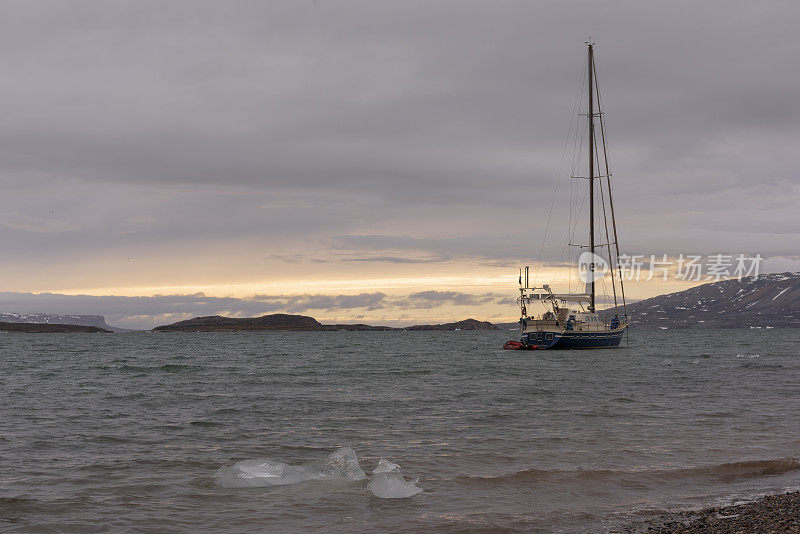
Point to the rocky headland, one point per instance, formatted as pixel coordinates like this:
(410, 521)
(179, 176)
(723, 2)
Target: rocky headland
(47, 328)
(97, 321)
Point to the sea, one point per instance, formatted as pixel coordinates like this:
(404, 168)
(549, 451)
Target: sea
(284, 431)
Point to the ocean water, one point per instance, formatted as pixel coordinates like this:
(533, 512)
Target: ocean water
(233, 432)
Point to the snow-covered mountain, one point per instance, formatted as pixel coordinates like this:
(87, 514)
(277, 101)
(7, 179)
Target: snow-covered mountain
(50, 318)
(772, 300)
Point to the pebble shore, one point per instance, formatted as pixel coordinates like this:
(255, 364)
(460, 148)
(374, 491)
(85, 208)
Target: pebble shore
(767, 515)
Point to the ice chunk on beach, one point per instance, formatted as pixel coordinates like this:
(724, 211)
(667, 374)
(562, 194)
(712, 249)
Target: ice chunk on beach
(343, 463)
(388, 483)
(340, 465)
(392, 486)
(256, 473)
(385, 466)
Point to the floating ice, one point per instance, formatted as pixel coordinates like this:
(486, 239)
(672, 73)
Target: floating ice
(255, 473)
(385, 466)
(343, 463)
(340, 465)
(388, 483)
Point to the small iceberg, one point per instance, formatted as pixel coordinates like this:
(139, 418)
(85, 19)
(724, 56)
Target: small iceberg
(388, 483)
(341, 465)
(385, 466)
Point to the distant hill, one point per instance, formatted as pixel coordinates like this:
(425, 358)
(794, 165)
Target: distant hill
(97, 321)
(280, 321)
(773, 300)
(466, 324)
(217, 323)
(46, 328)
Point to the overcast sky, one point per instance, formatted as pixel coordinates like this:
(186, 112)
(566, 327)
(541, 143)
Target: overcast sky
(375, 149)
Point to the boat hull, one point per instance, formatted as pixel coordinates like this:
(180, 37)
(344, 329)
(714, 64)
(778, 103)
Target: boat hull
(589, 340)
(574, 339)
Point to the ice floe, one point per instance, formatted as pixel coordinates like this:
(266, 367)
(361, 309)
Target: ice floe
(342, 465)
(388, 483)
(385, 466)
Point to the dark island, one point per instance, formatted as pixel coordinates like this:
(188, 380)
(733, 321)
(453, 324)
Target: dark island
(285, 322)
(466, 324)
(44, 328)
(217, 323)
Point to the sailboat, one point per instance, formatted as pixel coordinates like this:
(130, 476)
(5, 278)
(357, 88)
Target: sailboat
(571, 320)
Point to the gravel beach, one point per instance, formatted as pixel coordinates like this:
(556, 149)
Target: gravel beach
(770, 514)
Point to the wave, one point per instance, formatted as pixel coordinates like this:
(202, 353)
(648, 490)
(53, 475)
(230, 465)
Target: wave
(205, 423)
(12, 507)
(16, 502)
(725, 472)
(167, 368)
(749, 469)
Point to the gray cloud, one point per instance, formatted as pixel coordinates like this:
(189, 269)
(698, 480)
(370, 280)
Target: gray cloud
(431, 249)
(302, 303)
(28, 223)
(432, 299)
(394, 259)
(130, 127)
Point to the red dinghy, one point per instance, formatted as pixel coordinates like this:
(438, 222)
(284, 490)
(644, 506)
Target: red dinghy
(516, 345)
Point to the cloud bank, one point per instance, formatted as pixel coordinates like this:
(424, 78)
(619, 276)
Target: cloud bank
(152, 144)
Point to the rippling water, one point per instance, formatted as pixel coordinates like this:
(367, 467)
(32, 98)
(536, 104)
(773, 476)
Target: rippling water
(128, 431)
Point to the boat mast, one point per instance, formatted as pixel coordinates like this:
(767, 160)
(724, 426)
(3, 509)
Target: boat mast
(610, 205)
(591, 265)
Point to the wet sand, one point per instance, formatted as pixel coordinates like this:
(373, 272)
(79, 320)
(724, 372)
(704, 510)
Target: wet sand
(770, 514)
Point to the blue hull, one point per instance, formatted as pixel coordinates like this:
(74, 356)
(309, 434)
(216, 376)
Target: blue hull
(574, 340)
(588, 340)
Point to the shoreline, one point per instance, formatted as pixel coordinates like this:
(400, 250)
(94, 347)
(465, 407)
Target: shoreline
(775, 513)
